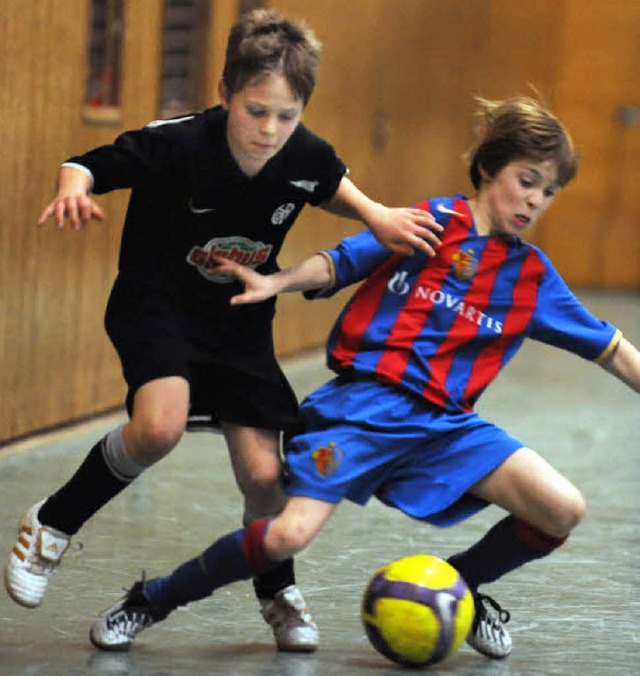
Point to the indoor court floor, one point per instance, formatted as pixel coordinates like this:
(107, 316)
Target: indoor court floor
(574, 613)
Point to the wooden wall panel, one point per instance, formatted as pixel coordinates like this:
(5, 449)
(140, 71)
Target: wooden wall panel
(594, 235)
(222, 15)
(421, 74)
(518, 55)
(139, 98)
(42, 55)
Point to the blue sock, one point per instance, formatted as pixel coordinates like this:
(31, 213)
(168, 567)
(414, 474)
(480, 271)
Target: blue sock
(222, 563)
(508, 545)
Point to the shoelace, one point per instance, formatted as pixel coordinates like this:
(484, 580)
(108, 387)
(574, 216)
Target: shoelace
(121, 605)
(128, 622)
(285, 614)
(503, 616)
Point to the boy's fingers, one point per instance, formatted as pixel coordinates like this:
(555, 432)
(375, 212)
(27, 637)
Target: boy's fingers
(425, 247)
(45, 215)
(60, 213)
(402, 247)
(425, 218)
(77, 211)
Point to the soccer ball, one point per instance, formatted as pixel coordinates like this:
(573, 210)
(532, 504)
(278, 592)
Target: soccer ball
(417, 610)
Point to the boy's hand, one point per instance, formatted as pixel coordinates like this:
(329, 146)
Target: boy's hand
(404, 230)
(257, 287)
(72, 204)
(78, 209)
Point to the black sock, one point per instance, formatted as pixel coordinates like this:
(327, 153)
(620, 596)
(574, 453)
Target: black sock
(268, 584)
(91, 487)
(508, 545)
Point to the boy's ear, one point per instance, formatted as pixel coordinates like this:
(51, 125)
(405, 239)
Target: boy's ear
(223, 94)
(483, 174)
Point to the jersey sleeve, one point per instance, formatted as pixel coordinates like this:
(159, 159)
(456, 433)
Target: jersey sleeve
(561, 320)
(351, 261)
(319, 162)
(134, 158)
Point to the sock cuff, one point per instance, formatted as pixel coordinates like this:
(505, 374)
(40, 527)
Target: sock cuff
(535, 539)
(253, 545)
(117, 459)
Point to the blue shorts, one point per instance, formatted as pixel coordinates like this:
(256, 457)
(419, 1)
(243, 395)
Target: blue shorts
(364, 438)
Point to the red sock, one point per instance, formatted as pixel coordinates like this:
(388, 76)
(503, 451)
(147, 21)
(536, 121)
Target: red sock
(253, 545)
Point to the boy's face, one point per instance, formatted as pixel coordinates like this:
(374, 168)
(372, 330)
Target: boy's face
(262, 117)
(513, 200)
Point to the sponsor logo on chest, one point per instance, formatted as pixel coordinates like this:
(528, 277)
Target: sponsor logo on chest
(400, 285)
(238, 249)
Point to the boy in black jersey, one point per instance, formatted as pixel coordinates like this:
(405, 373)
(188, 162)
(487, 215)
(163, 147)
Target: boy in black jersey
(229, 182)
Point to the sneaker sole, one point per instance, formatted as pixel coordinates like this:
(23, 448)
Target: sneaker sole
(297, 648)
(488, 653)
(121, 648)
(25, 603)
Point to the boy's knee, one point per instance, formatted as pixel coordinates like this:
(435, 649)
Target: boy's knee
(262, 490)
(288, 539)
(153, 437)
(263, 479)
(575, 512)
(569, 514)
(298, 538)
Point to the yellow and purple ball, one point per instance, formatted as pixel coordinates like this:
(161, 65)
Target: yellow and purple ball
(417, 610)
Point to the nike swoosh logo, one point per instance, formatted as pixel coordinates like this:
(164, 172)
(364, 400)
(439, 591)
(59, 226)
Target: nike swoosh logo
(309, 186)
(197, 210)
(444, 210)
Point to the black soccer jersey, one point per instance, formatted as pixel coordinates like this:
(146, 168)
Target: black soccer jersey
(190, 201)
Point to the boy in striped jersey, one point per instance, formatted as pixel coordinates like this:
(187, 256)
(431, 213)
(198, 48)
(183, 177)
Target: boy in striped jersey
(413, 350)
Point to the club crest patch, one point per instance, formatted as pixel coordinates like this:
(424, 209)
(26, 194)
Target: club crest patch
(280, 215)
(327, 459)
(465, 265)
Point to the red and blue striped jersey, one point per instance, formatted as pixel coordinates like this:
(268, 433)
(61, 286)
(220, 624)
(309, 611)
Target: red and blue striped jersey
(444, 327)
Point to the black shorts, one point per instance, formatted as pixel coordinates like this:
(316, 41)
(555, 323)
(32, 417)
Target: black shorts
(233, 376)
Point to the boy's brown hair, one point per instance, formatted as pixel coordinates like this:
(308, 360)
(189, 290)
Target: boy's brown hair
(520, 128)
(264, 41)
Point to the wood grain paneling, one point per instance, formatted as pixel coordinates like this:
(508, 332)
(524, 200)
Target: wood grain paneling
(593, 234)
(42, 56)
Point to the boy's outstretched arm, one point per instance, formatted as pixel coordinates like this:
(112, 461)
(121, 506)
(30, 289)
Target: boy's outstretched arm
(624, 363)
(402, 230)
(312, 273)
(72, 203)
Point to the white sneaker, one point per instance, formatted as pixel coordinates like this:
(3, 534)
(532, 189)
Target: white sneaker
(118, 626)
(293, 626)
(34, 557)
(488, 635)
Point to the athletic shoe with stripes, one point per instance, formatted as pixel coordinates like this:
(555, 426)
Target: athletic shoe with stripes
(118, 626)
(488, 635)
(294, 629)
(33, 559)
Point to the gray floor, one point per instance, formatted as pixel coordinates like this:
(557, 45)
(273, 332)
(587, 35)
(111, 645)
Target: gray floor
(577, 612)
